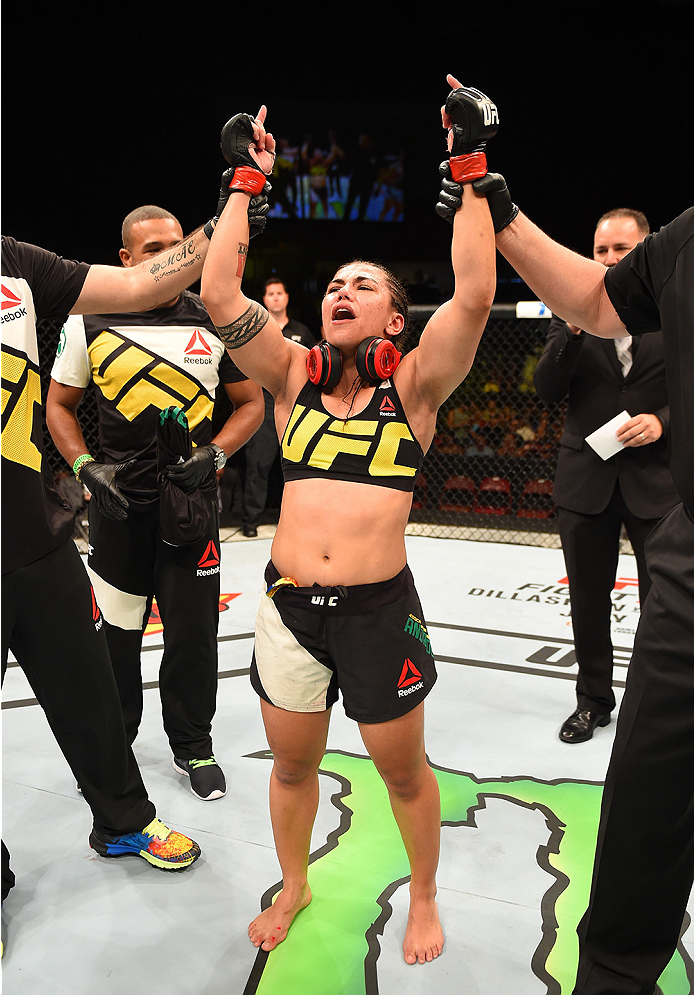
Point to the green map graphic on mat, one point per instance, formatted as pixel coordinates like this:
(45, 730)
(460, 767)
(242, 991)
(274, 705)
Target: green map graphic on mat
(363, 862)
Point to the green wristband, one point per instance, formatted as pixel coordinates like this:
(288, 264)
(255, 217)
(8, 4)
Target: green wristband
(79, 463)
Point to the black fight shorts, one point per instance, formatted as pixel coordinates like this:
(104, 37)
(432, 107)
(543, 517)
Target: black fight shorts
(369, 641)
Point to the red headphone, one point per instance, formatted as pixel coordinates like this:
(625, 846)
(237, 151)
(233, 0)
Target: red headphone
(377, 359)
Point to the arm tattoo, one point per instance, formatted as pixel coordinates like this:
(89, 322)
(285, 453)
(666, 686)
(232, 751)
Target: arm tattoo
(241, 259)
(245, 328)
(179, 258)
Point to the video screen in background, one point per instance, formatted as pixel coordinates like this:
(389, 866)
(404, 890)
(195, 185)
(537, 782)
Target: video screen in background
(336, 171)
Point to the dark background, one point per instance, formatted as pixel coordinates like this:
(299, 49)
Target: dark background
(109, 108)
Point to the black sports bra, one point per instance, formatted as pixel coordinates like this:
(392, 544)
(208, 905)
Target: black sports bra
(375, 446)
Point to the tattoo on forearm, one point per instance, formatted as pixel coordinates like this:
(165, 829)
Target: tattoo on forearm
(243, 255)
(245, 328)
(182, 256)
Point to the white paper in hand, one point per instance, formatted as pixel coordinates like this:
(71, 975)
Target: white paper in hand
(604, 440)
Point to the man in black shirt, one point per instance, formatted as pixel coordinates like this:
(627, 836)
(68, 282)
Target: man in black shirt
(644, 864)
(140, 363)
(65, 657)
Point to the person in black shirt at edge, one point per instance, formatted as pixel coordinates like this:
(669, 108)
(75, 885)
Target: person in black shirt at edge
(261, 449)
(644, 862)
(340, 601)
(65, 657)
(594, 497)
(132, 558)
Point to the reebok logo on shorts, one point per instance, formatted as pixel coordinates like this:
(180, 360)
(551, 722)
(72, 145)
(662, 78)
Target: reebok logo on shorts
(208, 563)
(97, 617)
(410, 679)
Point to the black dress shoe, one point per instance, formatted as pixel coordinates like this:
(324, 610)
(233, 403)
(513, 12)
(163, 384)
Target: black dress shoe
(250, 531)
(579, 727)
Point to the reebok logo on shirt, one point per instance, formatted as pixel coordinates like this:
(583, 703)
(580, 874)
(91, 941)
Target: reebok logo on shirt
(10, 300)
(197, 350)
(387, 408)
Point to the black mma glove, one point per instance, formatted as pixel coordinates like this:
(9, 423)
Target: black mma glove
(99, 479)
(501, 207)
(258, 207)
(244, 174)
(194, 471)
(450, 195)
(236, 141)
(474, 120)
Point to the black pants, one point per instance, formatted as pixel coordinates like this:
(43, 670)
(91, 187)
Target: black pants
(131, 565)
(48, 623)
(261, 450)
(644, 864)
(591, 551)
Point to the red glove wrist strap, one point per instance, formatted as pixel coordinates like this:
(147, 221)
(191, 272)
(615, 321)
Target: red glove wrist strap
(465, 168)
(248, 180)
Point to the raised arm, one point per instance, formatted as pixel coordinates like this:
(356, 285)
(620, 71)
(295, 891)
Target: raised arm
(449, 342)
(569, 284)
(250, 333)
(142, 287)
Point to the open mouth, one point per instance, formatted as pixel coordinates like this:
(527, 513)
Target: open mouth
(342, 314)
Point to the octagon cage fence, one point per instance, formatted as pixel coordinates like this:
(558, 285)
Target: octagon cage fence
(488, 474)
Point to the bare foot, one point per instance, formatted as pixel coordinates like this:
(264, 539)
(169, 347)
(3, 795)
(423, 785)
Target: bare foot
(271, 926)
(423, 936)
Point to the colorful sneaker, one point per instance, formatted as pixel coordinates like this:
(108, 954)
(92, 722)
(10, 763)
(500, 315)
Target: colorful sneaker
(207, 780)
(159, 845)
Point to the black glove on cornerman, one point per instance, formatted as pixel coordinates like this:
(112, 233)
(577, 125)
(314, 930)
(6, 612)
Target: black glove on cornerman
(185, 517)
(195, 470)
(501, 207)
(99, 479)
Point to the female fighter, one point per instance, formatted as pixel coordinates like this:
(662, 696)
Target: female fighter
(341, 607)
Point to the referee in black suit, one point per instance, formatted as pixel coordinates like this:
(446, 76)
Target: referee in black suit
(599, 378)
(644, 861)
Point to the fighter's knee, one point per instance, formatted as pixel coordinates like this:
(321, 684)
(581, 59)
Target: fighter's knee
(291, 773)
(403, 784)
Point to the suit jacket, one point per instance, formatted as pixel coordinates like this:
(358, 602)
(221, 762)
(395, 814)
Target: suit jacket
(586, 371)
